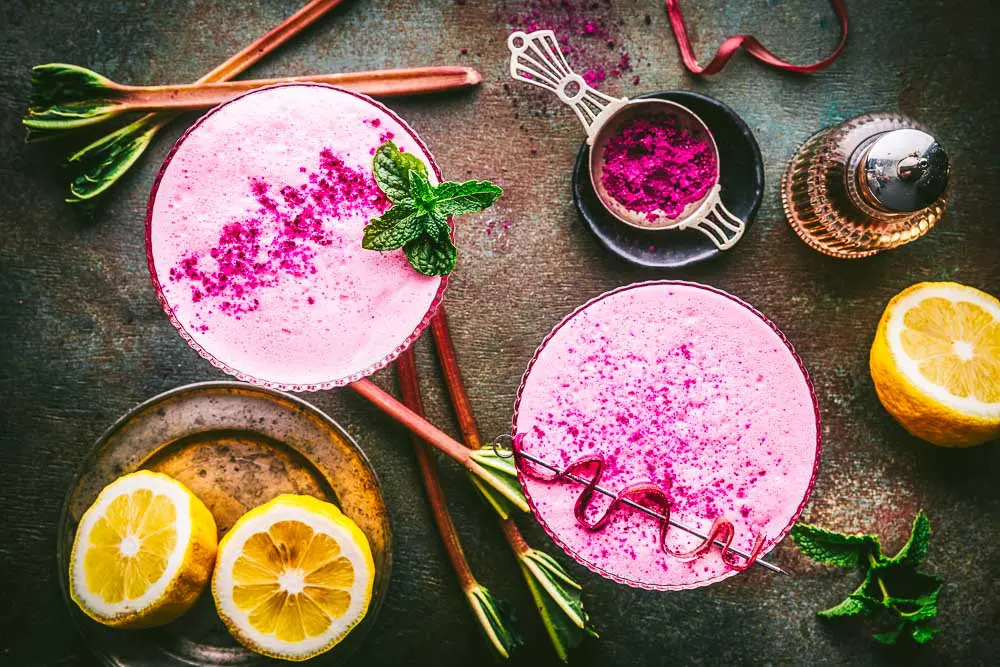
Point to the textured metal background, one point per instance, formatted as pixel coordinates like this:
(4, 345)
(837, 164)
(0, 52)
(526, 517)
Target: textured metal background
(83, 339)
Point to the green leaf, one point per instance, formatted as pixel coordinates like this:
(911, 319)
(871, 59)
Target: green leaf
(66, 97)
(891, 636)
(892, 584)
(405, 181)
(100, 164)
(421, 190)
(494, 621)
(915, 549)
(906, 583)
(469, 197)
(859, 603)
(833, 548)
(437, 227)
(413, 163)
(499, 473)
(924, 633)
(558, 599)
(54, 121)
(392, 171)
(500, 504)
(60, 82)
(850, 606)
(394, 229)
(431, 257)
(922, 608)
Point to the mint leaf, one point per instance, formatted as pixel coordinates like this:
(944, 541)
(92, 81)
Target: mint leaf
(833, 548)
(392, 171)
(859, 603)
(915, 549)
(468, 197)
(411, 162)
(437, 227)
(891, 584)
(421, 190)
(419, 219)
(916, 609)
(891, 636)
(431, 257)
(851, 606)
(924, 633)
(906, 583)
(397, 227)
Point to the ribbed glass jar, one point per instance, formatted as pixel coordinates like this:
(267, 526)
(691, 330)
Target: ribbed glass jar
(826, 203)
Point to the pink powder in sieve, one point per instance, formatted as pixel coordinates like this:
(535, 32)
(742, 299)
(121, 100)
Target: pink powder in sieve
(651, 163)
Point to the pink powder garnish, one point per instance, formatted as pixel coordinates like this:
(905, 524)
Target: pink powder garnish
(280, 239)
(653, 164)
(594, 76)
(583, 29)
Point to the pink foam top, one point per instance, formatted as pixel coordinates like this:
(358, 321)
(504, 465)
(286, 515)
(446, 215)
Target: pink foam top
(683, 386)
(254, 239)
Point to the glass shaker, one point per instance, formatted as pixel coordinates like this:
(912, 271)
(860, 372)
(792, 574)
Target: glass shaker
(870, 184)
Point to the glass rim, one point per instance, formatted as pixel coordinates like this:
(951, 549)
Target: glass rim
(235, 372)
(770, 543)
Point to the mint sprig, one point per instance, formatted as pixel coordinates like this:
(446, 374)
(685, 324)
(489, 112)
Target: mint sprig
(892, 584)
(418, 219)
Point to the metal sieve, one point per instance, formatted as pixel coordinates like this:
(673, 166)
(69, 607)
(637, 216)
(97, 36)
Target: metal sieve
(536, 59)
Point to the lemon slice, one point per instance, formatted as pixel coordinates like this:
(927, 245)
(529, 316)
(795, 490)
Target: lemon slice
(143, 552)
(293, 577)
(936, 363)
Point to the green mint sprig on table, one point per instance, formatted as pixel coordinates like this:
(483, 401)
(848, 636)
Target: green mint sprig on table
(418, 219)
(892, 584)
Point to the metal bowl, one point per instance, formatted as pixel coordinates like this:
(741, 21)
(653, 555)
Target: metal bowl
(235, 446)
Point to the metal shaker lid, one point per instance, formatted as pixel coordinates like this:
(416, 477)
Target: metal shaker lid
(903, 170)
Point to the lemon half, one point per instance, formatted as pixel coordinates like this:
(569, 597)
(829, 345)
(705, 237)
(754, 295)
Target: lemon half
(935, 363)
(293, 577)
(143, 552)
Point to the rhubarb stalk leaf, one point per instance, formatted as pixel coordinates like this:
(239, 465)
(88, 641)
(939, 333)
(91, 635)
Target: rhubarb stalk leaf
(100, 164)
(559, 601)
(66, 97)
(499, 473)
(494, 620)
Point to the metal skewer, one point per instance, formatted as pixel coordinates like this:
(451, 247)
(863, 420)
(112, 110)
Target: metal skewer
(506, 453)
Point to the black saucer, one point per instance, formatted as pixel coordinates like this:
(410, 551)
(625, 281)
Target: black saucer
(742, 178)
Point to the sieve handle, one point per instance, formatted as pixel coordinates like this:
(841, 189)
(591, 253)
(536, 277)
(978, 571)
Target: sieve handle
(715, 221)
(535, 58)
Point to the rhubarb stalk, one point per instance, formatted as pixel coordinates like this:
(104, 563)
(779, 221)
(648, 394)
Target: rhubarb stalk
(100, 164)
(448, 358)
(68, 97)
(498, 480)
(489, 614)
(557, 595)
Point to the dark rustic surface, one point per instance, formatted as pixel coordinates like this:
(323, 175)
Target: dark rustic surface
(83, 339)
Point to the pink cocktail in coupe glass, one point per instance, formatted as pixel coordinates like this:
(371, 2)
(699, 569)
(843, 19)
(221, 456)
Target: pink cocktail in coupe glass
(254, 235)
(684, 387)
